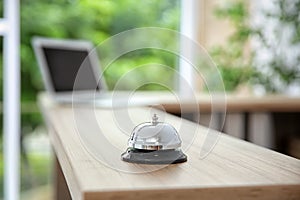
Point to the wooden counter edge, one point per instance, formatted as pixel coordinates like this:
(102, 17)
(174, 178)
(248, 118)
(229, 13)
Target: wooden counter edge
(274, 192)
(61, 155)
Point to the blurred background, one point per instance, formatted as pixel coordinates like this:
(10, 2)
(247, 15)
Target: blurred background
(255, 44)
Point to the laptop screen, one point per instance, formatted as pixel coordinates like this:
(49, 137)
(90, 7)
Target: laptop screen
(63, 66)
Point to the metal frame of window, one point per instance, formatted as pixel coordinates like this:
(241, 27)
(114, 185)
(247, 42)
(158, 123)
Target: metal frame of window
(10, 30)
(189, 28)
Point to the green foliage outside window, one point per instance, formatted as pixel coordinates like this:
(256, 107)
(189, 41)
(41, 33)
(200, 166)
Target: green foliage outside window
(282, 70)
(233, 59)
(91, 20)
(236, 59)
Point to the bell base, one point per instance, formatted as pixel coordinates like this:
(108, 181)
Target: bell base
(158, 157)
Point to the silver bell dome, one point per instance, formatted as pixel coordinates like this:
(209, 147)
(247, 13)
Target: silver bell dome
(154, 143)
(154, 135)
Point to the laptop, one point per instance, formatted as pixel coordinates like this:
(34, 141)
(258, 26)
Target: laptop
(70, 69)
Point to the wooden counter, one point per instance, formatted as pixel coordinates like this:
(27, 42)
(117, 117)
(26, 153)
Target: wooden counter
(219, 102)
(233, 169)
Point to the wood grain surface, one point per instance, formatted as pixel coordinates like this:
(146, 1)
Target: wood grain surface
(88, 142)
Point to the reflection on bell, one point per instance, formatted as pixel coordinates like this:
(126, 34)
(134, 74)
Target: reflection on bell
(154, 143)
